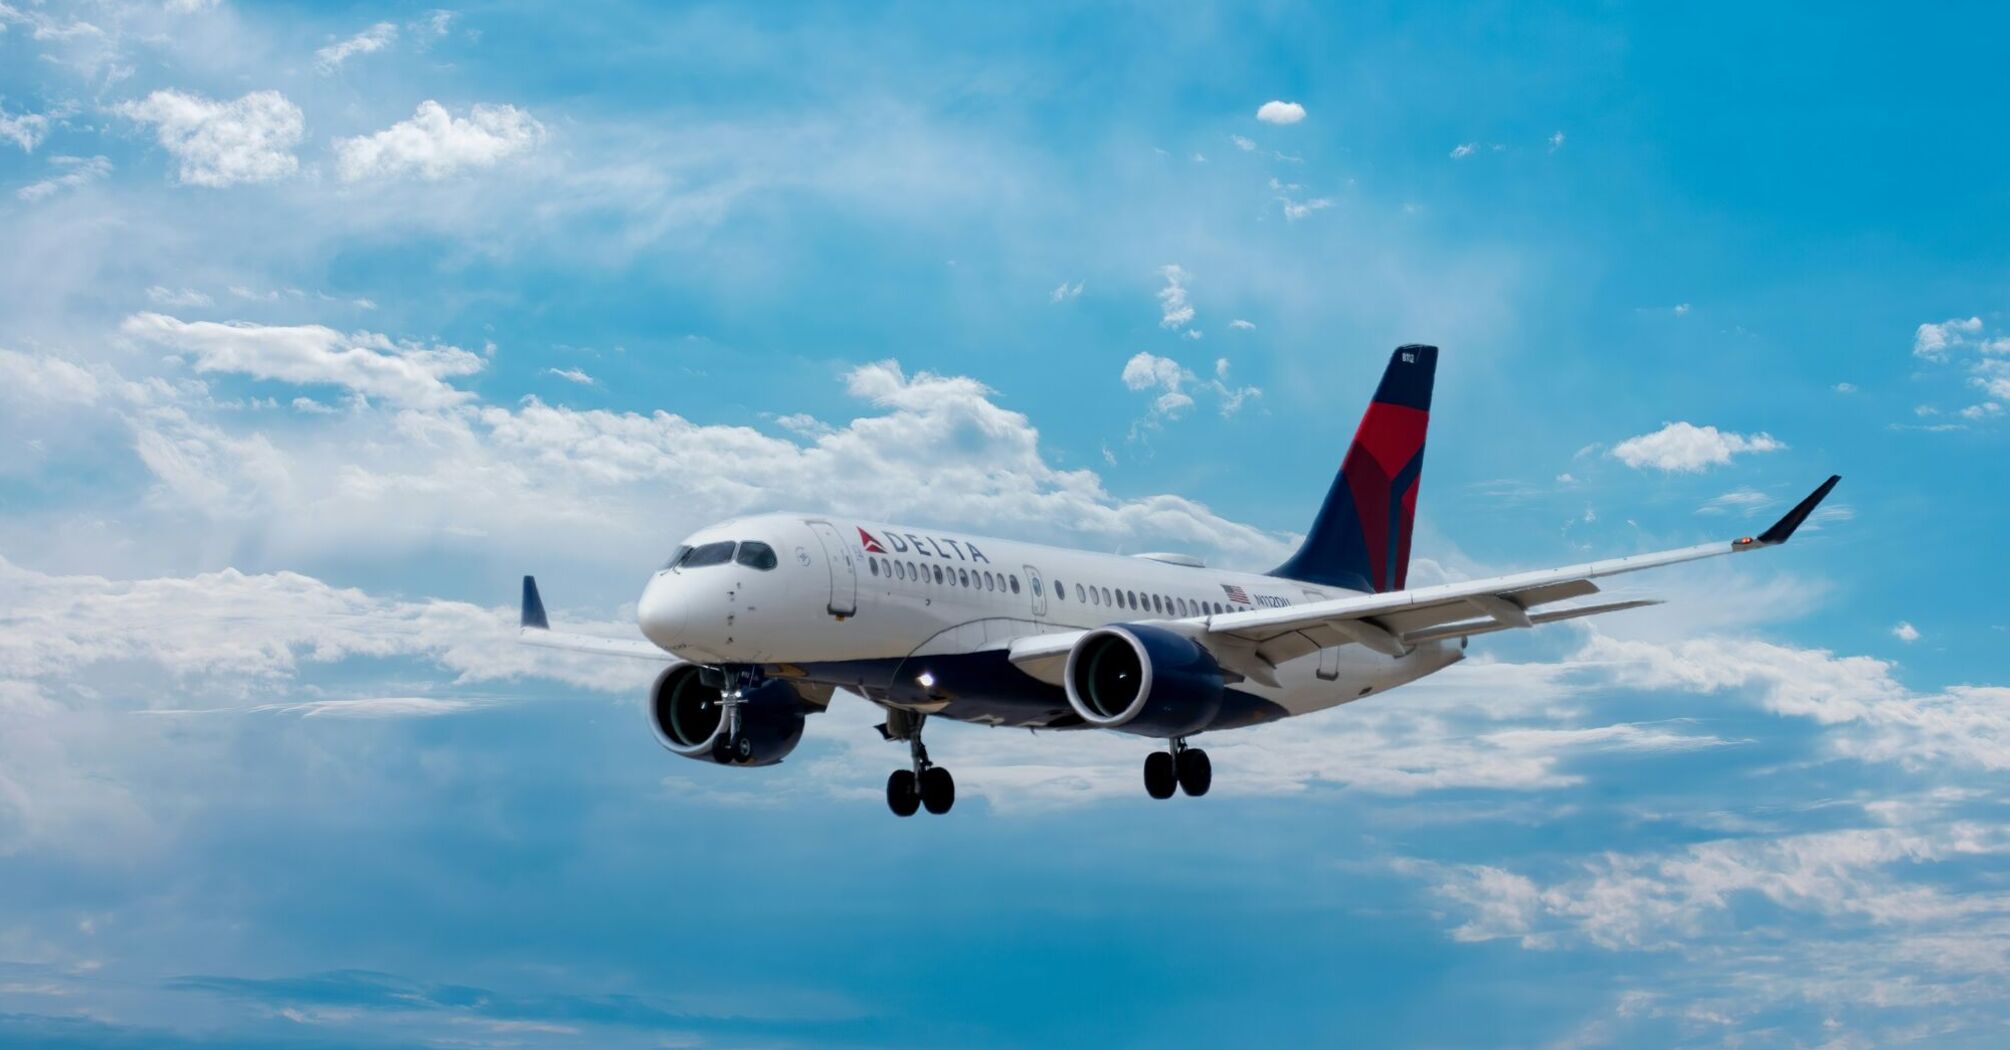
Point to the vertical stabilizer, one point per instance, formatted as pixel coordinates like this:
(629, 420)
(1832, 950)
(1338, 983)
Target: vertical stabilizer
(1361, 539)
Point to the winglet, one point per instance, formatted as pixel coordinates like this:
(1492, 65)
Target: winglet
(533, 607)
(1783, 529)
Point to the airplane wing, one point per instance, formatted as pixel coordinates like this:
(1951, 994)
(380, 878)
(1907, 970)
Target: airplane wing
(535, 629)
(1253, 643)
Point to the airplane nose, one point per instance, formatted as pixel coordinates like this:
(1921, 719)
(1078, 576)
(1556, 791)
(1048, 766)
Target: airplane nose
(660, 613)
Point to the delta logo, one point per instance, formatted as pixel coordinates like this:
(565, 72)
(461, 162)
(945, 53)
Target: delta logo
(925, 546)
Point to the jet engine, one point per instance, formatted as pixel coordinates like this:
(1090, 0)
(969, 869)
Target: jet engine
(689, 718)
(1144, 680)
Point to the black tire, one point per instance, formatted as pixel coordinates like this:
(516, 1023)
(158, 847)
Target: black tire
(1196, 773)
(938, 790)
(901, 797)
(1160, 782)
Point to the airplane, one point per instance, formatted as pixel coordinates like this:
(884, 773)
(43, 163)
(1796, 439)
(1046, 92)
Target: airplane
(759, 619)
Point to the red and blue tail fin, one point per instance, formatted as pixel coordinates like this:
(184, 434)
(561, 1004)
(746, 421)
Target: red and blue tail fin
(1361, 539)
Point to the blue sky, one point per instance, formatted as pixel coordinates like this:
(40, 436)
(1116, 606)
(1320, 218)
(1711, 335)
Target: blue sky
(319, 326)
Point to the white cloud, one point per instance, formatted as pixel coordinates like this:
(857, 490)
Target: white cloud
(1280, 112)
(250, 139)
(1232, 397)
(1171, 384)
(1295, 210)
(26, 131)
(1243, 326)
(1145, 371)
(162, 296)
(435, 144)
(1174, 309)
(376, 38)
(1933, 340)
(1689, 448)
(367, 363)
(1064, 292)
(1664, 900)
(1905, 632)
(571, 375)
(78, 171)
(1464, 150)
(1744, 502)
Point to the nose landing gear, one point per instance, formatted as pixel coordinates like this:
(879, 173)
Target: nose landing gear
(925, 785)
(733, 745)
(1179, 768)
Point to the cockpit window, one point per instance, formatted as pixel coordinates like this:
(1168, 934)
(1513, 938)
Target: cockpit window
(707, 554)
(756, 555)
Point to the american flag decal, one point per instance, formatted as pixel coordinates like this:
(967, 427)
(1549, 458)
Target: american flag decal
(1235, 594)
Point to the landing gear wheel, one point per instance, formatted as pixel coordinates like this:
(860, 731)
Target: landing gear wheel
(901, 796)
(938, 789)
(1160, 782)
(1196, 773)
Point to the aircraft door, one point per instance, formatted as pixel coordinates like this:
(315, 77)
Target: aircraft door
(843, 569)
(1038, 588)
(1329, 658)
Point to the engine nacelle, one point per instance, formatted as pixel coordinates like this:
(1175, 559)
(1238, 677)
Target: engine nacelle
(690, 721)
(1143, 679)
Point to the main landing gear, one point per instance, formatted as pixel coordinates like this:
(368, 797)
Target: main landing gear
(926, 785)
(1179, 768)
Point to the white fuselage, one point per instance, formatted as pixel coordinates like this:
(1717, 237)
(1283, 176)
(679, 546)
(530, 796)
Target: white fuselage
(877, 607)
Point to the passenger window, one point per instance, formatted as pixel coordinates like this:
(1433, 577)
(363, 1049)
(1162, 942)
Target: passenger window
(756, 555)
(707, 554)
(1015, 582)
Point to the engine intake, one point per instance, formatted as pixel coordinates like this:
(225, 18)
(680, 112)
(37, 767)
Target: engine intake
(689, 718)
(1143, 679)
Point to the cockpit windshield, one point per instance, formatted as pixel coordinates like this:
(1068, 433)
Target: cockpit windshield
(752, 553)
(706, 554)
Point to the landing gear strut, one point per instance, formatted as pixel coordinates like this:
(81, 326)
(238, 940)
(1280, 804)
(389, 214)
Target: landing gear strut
(923, 786)
(1180, 768)
(733, 745)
